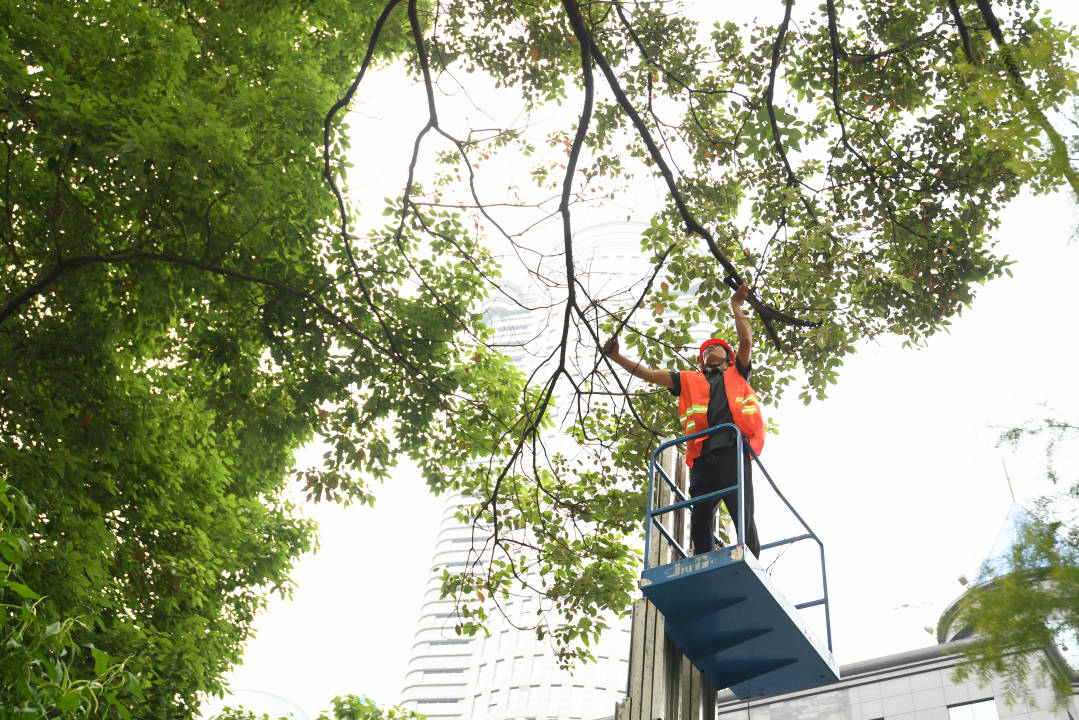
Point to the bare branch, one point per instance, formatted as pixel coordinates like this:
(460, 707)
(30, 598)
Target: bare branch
(327, 172)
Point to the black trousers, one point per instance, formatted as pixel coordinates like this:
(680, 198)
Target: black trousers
(715, 471)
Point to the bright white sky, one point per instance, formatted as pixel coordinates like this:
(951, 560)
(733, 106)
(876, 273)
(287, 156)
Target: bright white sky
(896, 470)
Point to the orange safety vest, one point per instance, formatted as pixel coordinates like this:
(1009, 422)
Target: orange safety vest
(693, 408)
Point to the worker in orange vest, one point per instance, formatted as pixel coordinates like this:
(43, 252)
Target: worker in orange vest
(716, 394)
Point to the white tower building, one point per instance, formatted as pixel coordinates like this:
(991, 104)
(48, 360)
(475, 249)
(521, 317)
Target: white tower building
(512, 675)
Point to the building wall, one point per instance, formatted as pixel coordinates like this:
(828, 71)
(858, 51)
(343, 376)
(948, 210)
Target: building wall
(439, 672)
(911, 686)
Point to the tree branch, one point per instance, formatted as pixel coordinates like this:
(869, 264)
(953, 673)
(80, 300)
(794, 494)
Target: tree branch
(733, 278)
(328, 174)
(1059, 151)
(70, 264)
(862, 58)
(964, 36)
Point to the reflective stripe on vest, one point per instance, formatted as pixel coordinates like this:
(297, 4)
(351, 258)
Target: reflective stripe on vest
(688, 415)
(748, 403)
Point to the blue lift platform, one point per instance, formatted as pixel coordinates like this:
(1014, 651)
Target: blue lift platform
(724, 611)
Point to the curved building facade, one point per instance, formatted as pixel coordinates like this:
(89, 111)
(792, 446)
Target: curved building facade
(443, 663)
(510, 674)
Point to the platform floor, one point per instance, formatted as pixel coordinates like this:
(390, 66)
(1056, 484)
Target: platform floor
(734, 625)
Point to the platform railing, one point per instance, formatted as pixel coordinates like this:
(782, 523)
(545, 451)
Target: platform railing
(654, 514)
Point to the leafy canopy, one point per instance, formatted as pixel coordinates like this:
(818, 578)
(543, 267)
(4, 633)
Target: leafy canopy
(189, 291)
(168, 315)
(848, 160)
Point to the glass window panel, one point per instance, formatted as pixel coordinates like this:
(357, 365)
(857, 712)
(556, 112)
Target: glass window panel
(962, 712)
(985, 710)
(981, 710)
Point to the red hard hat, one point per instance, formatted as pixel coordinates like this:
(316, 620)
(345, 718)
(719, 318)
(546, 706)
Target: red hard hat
(709, 343)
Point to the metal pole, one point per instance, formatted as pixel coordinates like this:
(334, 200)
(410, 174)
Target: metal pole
(741, 488)
(827, 611)
(648, 515)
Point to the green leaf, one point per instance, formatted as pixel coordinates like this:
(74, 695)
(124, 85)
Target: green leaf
(68, 701)
(101, 661)
(22, 590)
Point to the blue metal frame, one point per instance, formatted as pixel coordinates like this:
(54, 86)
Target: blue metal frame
(655, 513)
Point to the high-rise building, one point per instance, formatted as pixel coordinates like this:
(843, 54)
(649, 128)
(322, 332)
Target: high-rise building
(511, 674)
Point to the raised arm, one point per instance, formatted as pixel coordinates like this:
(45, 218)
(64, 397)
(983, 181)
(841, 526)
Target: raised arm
(741, 326)
(657, 377)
